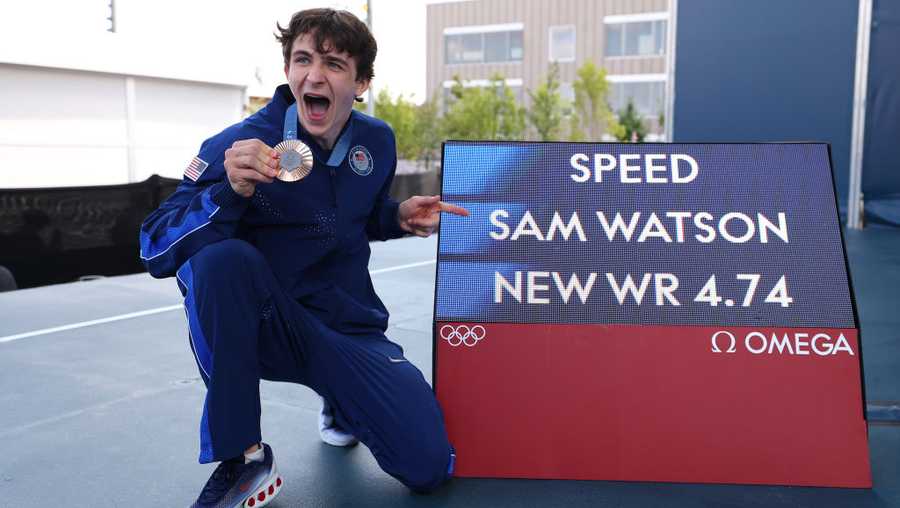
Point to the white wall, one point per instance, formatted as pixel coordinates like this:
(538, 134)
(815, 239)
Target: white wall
(172, 118)
(62, 79)
(153, 39)
(70, 128)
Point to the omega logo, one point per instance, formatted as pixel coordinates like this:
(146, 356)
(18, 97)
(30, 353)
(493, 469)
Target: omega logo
(796, 343)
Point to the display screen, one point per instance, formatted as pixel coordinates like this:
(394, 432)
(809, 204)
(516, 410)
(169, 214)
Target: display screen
(657, 233)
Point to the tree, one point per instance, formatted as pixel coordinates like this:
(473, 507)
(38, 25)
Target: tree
(546, 113)
(400, 114)
(428, 130)
(633, 128)
(488, 113)
(592, 115)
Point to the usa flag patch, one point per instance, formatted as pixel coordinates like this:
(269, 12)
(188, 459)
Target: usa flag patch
(195, 169)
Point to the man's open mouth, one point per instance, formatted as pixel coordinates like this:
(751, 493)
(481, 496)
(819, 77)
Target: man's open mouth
(316, 105)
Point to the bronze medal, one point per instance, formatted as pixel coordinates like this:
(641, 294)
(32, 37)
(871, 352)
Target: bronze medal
(295, 162)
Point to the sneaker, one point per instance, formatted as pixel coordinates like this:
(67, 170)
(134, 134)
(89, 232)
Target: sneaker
(235, 484)
(329, 430)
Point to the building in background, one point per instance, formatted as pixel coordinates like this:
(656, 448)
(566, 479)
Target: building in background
(121, 89)
(100, 92)
(69, 124)
(519, 39)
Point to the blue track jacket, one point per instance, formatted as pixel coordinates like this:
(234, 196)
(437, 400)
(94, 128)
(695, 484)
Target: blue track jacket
(314, 232)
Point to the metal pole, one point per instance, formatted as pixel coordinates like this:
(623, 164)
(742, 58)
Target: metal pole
(857, 142)
(670, 71)
(370, 106)
(112, 17)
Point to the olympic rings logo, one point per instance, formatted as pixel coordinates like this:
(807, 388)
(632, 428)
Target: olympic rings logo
(462, 334)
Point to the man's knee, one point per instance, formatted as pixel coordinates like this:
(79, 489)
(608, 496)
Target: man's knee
(430, 467)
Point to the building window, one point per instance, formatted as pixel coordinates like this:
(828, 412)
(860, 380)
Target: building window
(636, 34)
(562, 43)
(647, 91)
(483, 44)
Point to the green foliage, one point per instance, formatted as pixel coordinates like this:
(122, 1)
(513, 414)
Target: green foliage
(484, 113)
(416, 128)
(492, 113)
(400, 114)
(546, 113)
(428, 131)
(575, 132)
(633, 128)
(592, 115)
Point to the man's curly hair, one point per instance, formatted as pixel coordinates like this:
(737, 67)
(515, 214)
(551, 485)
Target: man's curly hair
(332, 30)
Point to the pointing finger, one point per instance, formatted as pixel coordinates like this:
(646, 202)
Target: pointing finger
(456, 210)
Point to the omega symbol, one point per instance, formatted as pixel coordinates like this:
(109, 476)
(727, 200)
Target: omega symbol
(732, 342)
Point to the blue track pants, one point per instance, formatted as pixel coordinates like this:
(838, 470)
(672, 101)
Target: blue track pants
(243, 328)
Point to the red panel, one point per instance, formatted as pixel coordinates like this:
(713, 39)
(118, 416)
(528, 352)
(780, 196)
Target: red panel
(654, 403)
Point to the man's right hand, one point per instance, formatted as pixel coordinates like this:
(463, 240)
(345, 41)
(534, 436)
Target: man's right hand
(249, 162)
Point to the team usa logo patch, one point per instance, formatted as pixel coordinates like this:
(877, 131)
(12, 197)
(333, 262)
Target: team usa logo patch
(196, 168)
(361, 160)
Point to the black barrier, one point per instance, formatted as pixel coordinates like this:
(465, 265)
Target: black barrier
(416, 184)
(54, 235)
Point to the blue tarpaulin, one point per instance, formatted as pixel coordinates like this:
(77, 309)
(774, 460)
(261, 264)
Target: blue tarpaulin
(767, 70)
(881, 155)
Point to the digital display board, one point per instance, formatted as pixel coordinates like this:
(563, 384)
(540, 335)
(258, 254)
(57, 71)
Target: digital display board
(597, 284)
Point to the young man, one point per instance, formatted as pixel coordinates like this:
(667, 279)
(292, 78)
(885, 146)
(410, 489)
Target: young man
(275, 273)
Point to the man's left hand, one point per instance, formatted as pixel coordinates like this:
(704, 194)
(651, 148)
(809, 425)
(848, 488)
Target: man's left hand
(420, 215)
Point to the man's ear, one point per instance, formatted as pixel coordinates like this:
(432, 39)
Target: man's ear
(361, 87)
(286, 68)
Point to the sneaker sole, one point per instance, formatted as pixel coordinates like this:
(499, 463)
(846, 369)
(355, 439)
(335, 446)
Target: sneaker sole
(339, 439)
(269, 490)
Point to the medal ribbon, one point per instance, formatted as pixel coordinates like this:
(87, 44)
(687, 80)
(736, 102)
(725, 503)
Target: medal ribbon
(340, 149)
(290, 122)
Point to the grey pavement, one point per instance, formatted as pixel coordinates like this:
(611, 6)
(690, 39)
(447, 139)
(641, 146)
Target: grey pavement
(108, 414)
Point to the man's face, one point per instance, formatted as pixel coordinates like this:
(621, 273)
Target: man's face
(324, 85)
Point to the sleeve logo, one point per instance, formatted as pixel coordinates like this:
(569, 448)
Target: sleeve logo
(196, 168)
